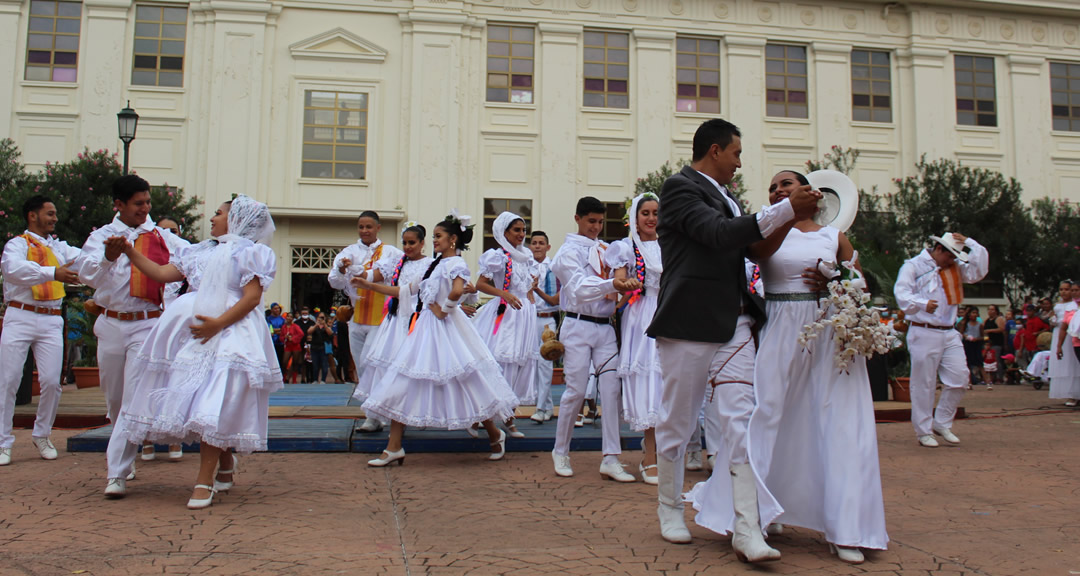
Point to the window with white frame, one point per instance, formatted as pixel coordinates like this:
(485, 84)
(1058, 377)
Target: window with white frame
(335, 135)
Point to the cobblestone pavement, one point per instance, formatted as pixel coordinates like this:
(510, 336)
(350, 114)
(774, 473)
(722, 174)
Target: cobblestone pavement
(1003, 503)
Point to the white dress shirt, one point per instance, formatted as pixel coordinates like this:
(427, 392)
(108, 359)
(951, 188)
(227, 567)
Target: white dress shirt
(21, 275)
(542, 307)
(359, 253)
(769, 219)
(111, 281)
(583, 288)
(918, 282)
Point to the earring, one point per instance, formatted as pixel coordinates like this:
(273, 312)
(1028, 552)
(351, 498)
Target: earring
(453, 245)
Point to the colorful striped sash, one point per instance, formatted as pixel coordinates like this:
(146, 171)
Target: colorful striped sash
(369, 304)
(43, 255)
(951, 283)
(153, 246)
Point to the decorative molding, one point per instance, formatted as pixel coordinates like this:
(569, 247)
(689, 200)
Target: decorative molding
(722, 10)
(337, 44)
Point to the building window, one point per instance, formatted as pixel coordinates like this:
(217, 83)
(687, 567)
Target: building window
(159, 45)
(335, 135)
(510, 62)
(871, 88)
(52, 44)
(313, 258)
(976, 98)
(495, 206)
(785, 81)
(614, 227)
(1065, 96)
(697, 75)
(607, 69)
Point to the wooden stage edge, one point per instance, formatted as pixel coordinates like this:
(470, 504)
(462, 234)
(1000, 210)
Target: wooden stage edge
(85, 408)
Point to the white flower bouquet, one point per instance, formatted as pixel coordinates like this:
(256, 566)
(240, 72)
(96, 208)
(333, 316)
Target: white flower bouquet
(856, 327)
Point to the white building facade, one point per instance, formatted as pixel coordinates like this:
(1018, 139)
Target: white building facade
(326, 108)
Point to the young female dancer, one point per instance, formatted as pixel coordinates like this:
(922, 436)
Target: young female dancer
(638, 256)
(404, 276)
(210, 364)
(443, 374)
(508, 325)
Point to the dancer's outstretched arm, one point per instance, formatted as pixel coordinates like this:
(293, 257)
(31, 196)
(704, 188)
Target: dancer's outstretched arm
(157, 272)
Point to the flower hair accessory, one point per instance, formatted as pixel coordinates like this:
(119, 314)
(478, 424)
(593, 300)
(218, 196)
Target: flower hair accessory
(463, 221)
(407, 225)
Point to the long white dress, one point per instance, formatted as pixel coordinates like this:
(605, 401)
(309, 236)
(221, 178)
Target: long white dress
(1064, 373)
(443, 375)
(812, 436)
(216, 392)
(516, 345)
(383, 344)
(639, 364)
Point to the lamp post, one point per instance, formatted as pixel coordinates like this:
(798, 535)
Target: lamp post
(128, 121)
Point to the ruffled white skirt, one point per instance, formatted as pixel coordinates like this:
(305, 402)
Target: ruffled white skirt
(639, 365)
(379, 352)
(515, 347)
(216, 393)
(443, 376)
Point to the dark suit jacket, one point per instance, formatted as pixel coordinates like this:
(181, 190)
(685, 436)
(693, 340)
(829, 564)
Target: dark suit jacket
(703, 246)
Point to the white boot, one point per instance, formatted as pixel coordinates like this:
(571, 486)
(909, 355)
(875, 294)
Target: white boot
(670, 509)
(370, 425)
(747, 541)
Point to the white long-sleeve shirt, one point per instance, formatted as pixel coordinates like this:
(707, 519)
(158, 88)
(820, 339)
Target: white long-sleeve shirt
(21, 275)
(918, 282)
(359, 254)
(584, 289)
(112, 280)
(542, 307)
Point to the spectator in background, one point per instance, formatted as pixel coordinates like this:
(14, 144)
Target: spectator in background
(305, 322)
(276, 321)
(75, 318)
(1046, 310)
(318, 336)
(292, 338)
(994, 330)
(1028, 336)
(1012, 326)
(971, 332)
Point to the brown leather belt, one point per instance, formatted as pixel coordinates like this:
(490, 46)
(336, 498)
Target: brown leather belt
(35, 309)
(546, 314)
(132, 316)
(930, 326)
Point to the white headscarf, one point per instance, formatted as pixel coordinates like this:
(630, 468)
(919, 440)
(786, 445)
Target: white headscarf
(651, 264)
(249, 222)
(498, 230)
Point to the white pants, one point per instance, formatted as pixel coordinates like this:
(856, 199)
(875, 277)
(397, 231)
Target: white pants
(935, 353)
(544, 369)
(358, 334)
(688, 369)
(118, 343)
(45, 333)
(589, 343)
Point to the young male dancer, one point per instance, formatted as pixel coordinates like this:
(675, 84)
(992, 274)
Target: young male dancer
(547, 309)
(588, 299)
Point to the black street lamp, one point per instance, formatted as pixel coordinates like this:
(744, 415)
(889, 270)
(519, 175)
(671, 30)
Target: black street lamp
(128, 121)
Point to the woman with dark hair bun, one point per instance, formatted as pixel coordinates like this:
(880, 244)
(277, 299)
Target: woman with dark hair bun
(403, 275)
(442, 375)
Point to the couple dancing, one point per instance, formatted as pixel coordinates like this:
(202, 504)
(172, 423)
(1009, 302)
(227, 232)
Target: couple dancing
(808, 456)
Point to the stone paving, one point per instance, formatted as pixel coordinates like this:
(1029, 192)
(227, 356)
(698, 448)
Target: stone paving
(1003, 503)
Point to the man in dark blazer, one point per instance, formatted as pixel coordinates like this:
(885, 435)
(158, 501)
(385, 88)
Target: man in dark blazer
(703, 323)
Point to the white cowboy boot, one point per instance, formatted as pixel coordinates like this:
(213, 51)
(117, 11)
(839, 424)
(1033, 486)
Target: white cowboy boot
(747, 541)
(669, 495)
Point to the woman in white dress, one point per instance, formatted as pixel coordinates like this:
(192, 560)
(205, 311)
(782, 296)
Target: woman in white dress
(404, 276)
(1064, 369)
(812, 436)
(443, 375)
(507, 324)
(209, 363)
(638, 256)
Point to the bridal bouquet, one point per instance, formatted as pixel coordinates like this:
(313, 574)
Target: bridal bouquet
(857, 328)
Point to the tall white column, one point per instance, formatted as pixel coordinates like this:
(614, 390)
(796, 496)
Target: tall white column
(559, 97)
(743, 85)
(655, 98)
(104, 70)
(832, 94)
(934, 112)
(9, 66)
(1032, 121)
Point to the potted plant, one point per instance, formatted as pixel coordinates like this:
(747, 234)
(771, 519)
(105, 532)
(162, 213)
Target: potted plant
(80, 320)
(899, 373)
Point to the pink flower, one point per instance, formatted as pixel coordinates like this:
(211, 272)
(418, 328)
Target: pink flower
(82, 207)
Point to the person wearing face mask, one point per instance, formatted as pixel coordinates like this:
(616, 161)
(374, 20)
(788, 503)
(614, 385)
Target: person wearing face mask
(131, 301)
(507, 324)
(638, 256)
(35, 266)
(403, 276)
(929, 289)
(355, 260)
(304, 322)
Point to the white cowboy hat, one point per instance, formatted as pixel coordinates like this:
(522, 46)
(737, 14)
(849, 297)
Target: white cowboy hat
(949, 241)
(840, 200)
